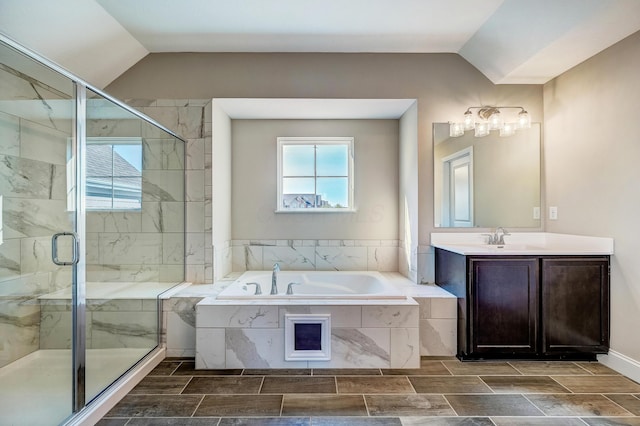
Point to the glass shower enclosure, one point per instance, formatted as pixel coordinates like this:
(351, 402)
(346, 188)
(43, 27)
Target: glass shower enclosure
(91, 233)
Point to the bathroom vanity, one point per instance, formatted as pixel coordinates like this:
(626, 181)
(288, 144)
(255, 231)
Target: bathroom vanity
(539, 296)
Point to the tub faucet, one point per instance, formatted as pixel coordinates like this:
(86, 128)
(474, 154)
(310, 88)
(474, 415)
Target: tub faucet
(258, 289)
(290, 287)
(497, 238)
(274, 279)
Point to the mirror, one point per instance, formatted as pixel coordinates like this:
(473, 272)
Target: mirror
(488, 181)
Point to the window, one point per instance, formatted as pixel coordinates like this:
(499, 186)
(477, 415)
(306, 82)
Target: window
(114, 174)
(315, 174)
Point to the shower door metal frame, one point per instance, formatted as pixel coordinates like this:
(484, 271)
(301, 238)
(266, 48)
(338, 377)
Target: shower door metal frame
(78, 149)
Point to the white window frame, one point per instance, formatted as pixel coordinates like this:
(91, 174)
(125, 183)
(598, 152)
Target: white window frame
(349, 141)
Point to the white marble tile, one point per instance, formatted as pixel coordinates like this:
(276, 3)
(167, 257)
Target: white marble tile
(444, 308)
(24, 178)
(254, 348)
(162, 185)
(190, 123)
(42, 143)
(240, 316)
(9, 135)
(424, 308)
(123, 222)
(195, 273)
(35, 255)
(195, 185)
(173, 152)
(426, 267)
(124, 329)
(112, 128)
(162, 216)
(289, 258)
(173, 248)
(9, 260)
(341, 316)
(195, 216)
(195, 154)
(358, 348)
(405, 348)
(341, 258)
(389, 316)
(55, 329)
(194, 250)
(34, 218)
(438, 337)
(130, 248)
(210, 348)
(152, 154)
(383, 259)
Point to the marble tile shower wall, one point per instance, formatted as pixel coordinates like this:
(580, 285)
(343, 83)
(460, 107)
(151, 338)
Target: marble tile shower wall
(33, 189)
(145, 245)
(190, 119)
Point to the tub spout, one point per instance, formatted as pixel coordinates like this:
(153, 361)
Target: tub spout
(274, 279)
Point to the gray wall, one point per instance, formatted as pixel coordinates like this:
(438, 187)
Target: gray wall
(444, 85)
(592, 150)
(254, 171)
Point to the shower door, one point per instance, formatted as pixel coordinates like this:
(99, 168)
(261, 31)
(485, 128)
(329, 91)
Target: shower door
(41, 358)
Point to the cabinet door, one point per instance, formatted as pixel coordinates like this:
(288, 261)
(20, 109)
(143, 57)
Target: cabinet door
(575, 305)
(504, 305)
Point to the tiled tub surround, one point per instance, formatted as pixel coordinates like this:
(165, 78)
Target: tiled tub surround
(429, 322)
(319, 255)
(364, 334)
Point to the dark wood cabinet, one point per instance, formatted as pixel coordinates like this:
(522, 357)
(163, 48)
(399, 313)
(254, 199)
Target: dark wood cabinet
(575, 305)
(552, 307)
(504, 306)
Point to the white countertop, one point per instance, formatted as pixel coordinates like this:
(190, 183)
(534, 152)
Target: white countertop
(523, 244)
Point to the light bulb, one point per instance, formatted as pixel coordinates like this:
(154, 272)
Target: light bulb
(456, 129)
(524, 120)
(482, 129)
(495, 121)
(468, 121)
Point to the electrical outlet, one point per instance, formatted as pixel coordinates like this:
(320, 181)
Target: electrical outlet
(553, 213)
(536, 212)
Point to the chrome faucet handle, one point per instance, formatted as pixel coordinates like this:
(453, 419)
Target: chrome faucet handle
(492, 238)
(290, 287)
(258, 289)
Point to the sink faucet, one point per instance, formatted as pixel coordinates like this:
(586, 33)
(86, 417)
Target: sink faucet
(274, 279)
(497, 238)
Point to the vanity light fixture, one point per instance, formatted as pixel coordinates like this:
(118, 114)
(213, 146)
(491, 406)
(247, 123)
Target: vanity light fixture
(490, 118)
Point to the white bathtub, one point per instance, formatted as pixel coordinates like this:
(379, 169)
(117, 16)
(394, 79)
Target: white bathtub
(349, 285)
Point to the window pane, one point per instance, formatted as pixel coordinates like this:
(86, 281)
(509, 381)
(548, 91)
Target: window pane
(99, 160)
(333, 192)
(297, 160)
(298, 193)
(132, 155)
(333, 160)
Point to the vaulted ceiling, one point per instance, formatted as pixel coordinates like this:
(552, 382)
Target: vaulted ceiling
(509, 41)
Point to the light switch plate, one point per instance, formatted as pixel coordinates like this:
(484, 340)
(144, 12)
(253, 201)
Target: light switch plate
(536, 212)
(553, 213)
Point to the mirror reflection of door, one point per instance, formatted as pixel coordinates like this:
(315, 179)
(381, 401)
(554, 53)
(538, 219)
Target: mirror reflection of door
(457, 171)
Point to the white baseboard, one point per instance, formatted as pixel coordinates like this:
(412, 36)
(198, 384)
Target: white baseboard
(93, 412)
(622, 364)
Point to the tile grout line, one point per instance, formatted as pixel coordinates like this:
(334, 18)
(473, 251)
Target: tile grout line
(533, 403)
(366, 406)
(198, 406)
(605, 396)
(453, 409)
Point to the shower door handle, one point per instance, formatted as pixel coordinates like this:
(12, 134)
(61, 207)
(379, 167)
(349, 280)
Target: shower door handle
(74, 248)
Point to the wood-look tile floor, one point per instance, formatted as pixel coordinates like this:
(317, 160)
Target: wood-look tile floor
(440, 392)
